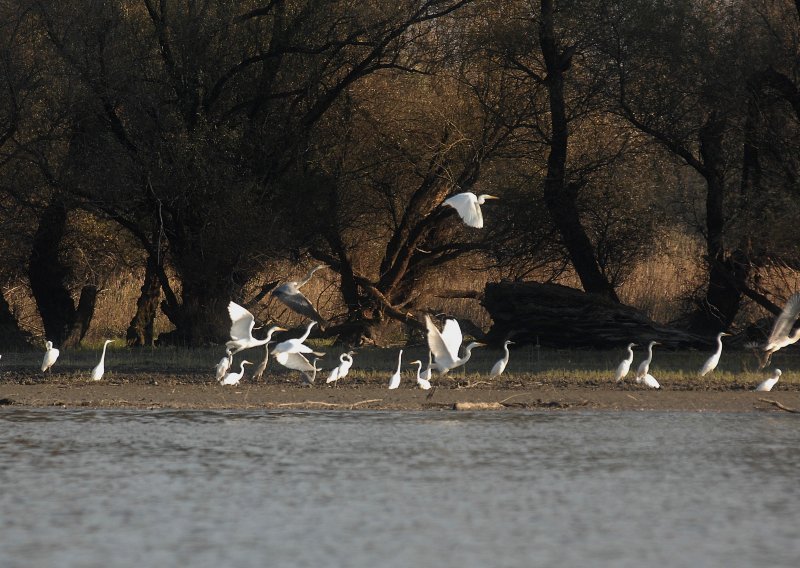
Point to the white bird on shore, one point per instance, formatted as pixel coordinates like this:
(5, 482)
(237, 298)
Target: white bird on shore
(394, 382)
(767, 385)
(500, 366)
(341, 370)
(445, 345)
(625, 366)
(100, 369)
(234, 378)
(644, 366)
(50, 356)
(468, 206)
(296, 345)
(781, 335)
(223, 365)
(426, 374)
(649, 381)
(289, 293)
(258, 372)
(713, 361)
(422, 383)
(242, 323)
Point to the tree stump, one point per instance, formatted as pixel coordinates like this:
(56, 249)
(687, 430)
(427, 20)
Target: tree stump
(558, 316)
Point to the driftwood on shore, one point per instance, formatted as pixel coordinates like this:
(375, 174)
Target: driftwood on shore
(558, 316)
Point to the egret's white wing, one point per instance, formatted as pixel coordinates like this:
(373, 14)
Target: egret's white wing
(334, 376)
(452, 337)
(498, 368)
(466, 204)
(294, 361)
(437, 345)
(783, 325)
(49, 360)
(242, 322)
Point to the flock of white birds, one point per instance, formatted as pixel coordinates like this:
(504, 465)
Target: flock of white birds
(444, 346)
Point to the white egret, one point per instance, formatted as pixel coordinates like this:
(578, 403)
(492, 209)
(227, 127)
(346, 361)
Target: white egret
(625, 366)
(258, 372)
(97, 372)
(781, 335)
(50, 356)
(426, 374)
(242, 323)
(296, 362)
(422, 382)
(341, 370)
(224, 364)
(234, 378)
(500, 366)
(713, 361)
(468, 206)
(445, 345)
(316, 369)
(289, 293)
(644, 366)
(649, 381)
(394, 382)
(767, 385)
(296, 345)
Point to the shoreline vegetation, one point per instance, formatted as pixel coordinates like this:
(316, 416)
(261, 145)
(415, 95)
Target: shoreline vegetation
(536, 379)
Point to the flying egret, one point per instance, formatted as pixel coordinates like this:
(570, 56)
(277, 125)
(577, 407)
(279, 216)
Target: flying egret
(242, 323)
(644, 366)
(50, 356)
(468, 206)
(224, 364)
(422, 383)
(341, 370)
(296, 345)
(258, 372)
(625, 366)
(289, 293)
(97, 372)
(445, 345)
(500, 366)
(713, 361)
(234, 378)
(649, 381)
(767, 385)
(296, 362)
(394, 382)
(781, 335)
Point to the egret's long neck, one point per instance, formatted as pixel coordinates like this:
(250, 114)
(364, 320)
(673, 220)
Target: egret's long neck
(630, 354)
(508, 355)
(719, 345)
(399, 360)
(302, 338)
(103, 356)
(419, 370)
(467, 354)
(649, 353)
(308, 276)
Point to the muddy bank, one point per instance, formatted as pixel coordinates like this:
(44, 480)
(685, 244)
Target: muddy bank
(196, 392)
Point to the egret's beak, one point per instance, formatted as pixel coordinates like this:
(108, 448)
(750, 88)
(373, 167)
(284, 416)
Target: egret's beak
(512, 342)
(415, 362)
(490, 197)
(479, 344)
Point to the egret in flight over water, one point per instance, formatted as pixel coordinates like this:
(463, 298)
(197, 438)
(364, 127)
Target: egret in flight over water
(394, 382)
(500, 366)
(625, 366)
(468, 206)
(100, 369)
(767, 385)
(50, 356)
(445, 345)
(781, 335)
(289, 293)
(234, 378)
(713, 361)
(242, 323)
(644, 366)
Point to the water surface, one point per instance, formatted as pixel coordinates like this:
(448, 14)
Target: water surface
(368, 489)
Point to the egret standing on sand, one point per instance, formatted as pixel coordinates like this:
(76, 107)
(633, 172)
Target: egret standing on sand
(394, 382)
(224, 364)
(289, 293)
(781, 335)
(100, 369)
(649, 381)
(644, 366)
(468, 206)
(242, 323)
(341, 370)
(445, 345)
(767, 385)
(500, 366)
(50, 356)
(713, 361)
(625, 366)
(259, 371)
(234, 378)
(422, 382)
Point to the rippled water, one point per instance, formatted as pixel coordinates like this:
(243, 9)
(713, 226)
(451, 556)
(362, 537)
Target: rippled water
(130, 488)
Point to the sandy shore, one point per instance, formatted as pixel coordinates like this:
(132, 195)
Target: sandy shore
(189, 392)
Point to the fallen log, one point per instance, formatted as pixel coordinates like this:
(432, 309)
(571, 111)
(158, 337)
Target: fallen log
(559, 316)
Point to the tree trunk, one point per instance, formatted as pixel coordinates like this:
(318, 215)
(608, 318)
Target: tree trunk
(11, 336)
(48, 275)
(560, 197)
(140, 330)
(82, 316)
(202, 316)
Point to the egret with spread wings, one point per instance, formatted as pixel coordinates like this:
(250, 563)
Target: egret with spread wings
(468, 207)
(445, 345)
(782, 335)
(289, 293)
(242, 323)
